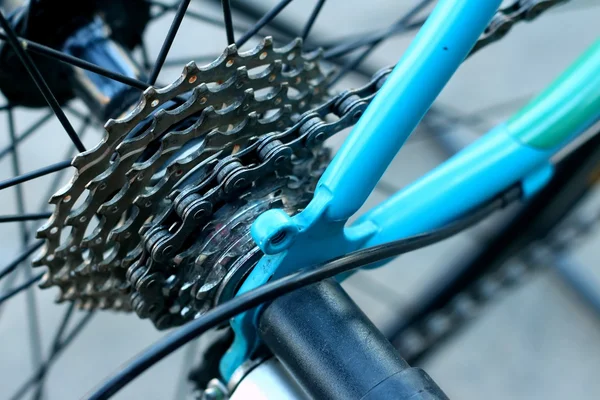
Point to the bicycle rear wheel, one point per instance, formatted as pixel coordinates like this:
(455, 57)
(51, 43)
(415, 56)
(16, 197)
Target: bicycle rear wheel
(119, 325)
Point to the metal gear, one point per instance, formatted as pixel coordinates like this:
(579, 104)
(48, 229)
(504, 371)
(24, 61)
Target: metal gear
(165, 175)
(156, 152)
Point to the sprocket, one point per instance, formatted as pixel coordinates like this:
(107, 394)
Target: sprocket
(137, 182)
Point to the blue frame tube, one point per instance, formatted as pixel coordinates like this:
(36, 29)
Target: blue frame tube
(480, 171)
(434, 55)
(317, 233)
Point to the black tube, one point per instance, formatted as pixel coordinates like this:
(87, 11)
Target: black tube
(335, 352)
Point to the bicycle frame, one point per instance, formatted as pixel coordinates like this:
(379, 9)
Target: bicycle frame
(518, 151)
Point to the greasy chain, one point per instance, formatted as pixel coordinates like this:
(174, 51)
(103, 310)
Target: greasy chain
(123, 262)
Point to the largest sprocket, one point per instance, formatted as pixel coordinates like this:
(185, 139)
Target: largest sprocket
(136, 210)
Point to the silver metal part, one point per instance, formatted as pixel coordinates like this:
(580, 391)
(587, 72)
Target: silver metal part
(269, 381)
(128, 231)
(159, 176)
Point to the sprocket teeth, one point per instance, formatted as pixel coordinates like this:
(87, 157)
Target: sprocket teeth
(46, 281)
(230, 50)
(93, 277)
(70, 293)
(39, 258)
(190, 69)
(88, 304)
(104, 303)
(267, 42)
(42, 232)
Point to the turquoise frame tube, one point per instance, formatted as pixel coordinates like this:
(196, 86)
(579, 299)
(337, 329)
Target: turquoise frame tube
(434, 55)
(516, 152)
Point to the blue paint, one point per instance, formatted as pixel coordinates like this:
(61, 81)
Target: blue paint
(436, 52)
(469, 178)
(536, 180)
(317, 233)
(314, 240)
(275, 233)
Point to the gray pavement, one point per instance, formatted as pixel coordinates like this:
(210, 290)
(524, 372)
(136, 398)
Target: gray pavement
(539, 342)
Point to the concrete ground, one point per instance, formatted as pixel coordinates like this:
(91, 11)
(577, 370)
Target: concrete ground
(540, 342)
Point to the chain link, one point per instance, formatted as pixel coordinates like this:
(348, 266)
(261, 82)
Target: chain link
(147, 216)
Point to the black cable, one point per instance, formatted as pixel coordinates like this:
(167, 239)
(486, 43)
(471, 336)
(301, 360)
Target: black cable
(272, 290)
(346, 47)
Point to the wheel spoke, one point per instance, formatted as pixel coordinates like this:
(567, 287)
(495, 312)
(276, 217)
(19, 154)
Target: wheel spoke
(166, 46)
(35, 174)
(43, 368)
(214, 21)
(342, 49)
(77, 62)
(77, 329)
(248, 10)
(62, 327)
(24, 217)
(31, 302)
(40, 373)
(197, 16)
(228, 22)
(352, 64)
(20, 258)
(262, 22)
(40, 82)
(59, 176)
(311, 20)
(398, 27)
(18, 289)
(25, 135)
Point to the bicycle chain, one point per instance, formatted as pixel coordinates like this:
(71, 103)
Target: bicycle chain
(144, 247)
(507, 17)
(192, 206)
